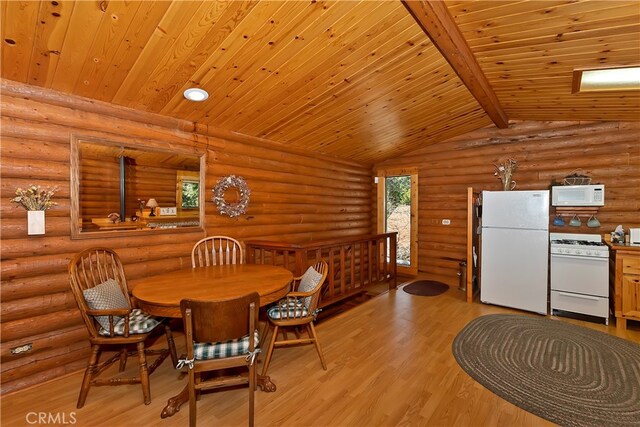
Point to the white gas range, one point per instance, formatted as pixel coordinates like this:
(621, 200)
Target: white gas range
(579, 274)
(583, 245)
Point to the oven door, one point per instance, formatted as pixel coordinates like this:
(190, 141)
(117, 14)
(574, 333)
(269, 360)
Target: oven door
(579, 274)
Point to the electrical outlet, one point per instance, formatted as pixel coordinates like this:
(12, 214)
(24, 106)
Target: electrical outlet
(168, 211)
(22, 349)
(446, 222)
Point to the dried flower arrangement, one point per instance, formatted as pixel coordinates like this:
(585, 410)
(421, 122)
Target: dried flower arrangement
(504, 172)
(35, 198)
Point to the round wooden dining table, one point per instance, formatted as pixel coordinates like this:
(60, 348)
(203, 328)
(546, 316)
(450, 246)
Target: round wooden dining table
(160, 295)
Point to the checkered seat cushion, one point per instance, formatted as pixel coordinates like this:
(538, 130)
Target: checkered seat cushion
(220, 350)
(284, 310)
(139, 323)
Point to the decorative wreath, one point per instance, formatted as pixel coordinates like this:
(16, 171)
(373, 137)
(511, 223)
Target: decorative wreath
(240, 185)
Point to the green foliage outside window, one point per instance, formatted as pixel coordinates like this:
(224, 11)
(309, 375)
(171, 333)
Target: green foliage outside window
(398, 189)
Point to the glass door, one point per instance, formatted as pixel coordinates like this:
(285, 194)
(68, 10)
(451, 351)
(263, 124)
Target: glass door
(398, 213)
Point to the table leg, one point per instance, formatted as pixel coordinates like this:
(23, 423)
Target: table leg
(174, 403)
(264, 382)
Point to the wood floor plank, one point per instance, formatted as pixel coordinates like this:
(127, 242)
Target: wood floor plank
(389, 360)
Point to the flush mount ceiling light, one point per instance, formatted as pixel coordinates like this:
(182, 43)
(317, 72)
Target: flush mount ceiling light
(196, 94)
(606, 79)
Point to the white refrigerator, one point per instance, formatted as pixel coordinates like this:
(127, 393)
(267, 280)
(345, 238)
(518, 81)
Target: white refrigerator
(515, 249)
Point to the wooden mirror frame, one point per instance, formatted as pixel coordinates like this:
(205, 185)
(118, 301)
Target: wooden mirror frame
(76, 230)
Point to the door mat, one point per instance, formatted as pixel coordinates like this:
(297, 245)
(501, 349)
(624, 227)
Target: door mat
(426, 288)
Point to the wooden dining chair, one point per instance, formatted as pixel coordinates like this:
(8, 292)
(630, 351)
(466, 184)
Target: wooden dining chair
(216, 250)
(220, 335)
(99, 287)
(298, 308)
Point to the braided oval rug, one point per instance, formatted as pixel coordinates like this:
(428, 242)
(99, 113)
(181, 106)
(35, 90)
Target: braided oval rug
(567, 374)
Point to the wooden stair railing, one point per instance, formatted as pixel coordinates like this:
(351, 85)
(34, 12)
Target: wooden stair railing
(355, 263)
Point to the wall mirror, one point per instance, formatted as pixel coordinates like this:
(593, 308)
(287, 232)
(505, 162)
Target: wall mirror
(123, 188)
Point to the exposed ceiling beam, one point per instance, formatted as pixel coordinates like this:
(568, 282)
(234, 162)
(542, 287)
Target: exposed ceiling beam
(437, 23)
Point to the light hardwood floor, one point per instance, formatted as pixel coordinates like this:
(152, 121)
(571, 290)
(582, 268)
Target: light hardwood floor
(389, 360)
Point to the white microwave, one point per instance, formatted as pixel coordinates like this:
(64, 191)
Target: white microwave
(577, 195)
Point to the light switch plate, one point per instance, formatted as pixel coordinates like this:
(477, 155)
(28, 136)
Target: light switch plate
(168, 211)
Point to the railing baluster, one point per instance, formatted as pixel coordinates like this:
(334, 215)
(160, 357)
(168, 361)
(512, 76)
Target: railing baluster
(370, 263)
(331, 274)
(394, 259)
(361, 269)
(353, 267)
(300, 268)
(377, 258)
(342, 272)
(384, 259)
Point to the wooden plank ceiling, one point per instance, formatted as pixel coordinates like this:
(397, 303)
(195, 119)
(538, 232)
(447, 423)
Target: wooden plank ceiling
(355, 79)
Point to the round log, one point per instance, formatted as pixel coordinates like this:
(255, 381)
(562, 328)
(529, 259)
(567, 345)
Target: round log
(36, 306)
(49, 322)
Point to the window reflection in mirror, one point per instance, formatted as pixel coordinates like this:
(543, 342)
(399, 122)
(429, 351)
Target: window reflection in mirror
(188, 190)
(115, 186)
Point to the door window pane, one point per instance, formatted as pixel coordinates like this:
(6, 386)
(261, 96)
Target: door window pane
(398, 214)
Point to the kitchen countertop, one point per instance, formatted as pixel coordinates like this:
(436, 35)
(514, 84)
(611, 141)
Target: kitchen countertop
(622, 246)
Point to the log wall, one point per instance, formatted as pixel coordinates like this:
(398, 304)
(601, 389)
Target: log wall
(296, 196)
(546, 152)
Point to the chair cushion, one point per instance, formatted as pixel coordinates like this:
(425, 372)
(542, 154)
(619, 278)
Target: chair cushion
(106, 296)
(308, 282)
(220, 350)
(281, 311)
(139, 323)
